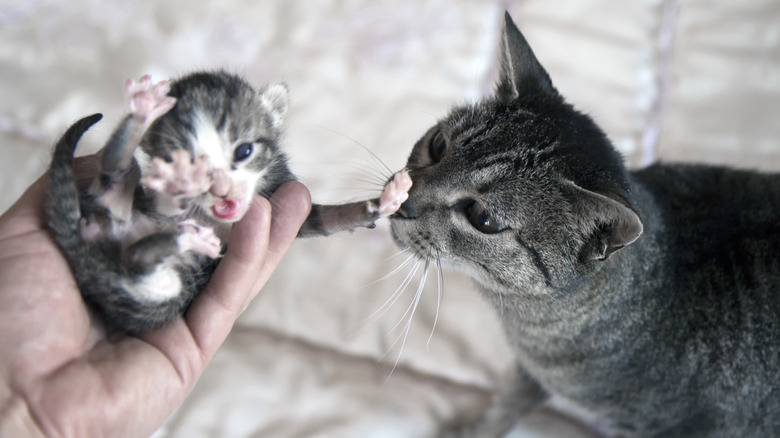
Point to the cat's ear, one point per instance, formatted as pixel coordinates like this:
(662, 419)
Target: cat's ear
(519, 71)
(608, 225)
(275, 98)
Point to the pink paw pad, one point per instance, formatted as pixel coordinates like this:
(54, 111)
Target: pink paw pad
(394, 194)
(183, 177)
(147, 100)
(199, 239)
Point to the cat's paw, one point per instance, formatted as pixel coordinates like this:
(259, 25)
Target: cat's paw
(181, 178)
(394, 194)
(199, 239)
(148, 101)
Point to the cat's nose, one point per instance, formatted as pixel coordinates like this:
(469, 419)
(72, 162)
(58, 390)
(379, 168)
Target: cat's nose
(407, 210)
(221, 185)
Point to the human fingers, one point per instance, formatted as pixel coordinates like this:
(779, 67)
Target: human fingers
(257, 244)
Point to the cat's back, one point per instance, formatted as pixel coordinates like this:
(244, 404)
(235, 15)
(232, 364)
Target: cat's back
(714, 205)
(717, 232)
(719, 228)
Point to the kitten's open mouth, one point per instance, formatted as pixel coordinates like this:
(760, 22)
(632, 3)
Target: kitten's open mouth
(227, 209)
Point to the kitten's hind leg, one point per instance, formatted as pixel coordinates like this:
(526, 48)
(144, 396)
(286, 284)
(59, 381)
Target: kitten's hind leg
(150, 251)
(327, 219)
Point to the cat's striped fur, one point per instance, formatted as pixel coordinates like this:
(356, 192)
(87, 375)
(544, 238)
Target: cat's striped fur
(646, 302)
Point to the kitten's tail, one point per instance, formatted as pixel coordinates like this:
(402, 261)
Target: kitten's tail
(62, 205)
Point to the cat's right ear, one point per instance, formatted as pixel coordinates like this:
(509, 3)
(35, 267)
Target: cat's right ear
(275, 99)
(519, 71)
(606, 224)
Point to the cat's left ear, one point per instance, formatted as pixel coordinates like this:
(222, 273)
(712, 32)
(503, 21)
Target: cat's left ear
(519, 71)
(275, 99)
(608, 225)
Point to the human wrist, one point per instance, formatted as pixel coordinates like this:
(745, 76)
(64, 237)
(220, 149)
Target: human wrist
(16, 420)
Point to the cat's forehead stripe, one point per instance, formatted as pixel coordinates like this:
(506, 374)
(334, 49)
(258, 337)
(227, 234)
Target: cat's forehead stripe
(208, 141)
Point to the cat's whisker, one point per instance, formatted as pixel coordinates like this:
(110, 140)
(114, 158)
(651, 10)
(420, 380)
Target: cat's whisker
(395, 296)
(399, 253)
(439, 285)
(395, 271)
(375, 172)
(397, 338)
(371, 183)
(412, 305)
(376, 158)
(501, 303)
(408, 326)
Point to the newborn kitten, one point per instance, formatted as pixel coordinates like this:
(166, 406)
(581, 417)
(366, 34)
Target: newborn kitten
(184, 165)
(646, 303)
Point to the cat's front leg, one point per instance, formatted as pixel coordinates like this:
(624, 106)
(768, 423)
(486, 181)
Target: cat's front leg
(178, 181)
(119, 174)
(513, 399)
(148, 101)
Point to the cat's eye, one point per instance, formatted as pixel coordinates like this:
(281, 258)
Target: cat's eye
(482, 220)
(242, 152)
(437, 146)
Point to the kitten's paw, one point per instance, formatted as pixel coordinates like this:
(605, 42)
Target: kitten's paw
(89, 230)
(181, 178)
(199, 239)
(147, 100)
(394, 194)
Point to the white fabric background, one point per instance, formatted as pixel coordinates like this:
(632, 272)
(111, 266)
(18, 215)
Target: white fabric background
(676, 80)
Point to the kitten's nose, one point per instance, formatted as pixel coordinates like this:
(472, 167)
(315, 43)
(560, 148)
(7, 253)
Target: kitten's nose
(220, 186)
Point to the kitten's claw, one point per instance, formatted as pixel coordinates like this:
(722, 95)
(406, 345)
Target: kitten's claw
(183, 177)
(199, 239)
(148, 101)
(394, 194)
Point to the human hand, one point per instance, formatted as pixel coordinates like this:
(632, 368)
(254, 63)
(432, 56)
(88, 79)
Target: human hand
(60, 380)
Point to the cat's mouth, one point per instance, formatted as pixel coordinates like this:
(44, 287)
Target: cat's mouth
(227, 209)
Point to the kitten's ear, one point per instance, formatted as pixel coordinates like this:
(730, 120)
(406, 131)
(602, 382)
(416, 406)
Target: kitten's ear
(519, 70)
(275, 98)
(608, 225)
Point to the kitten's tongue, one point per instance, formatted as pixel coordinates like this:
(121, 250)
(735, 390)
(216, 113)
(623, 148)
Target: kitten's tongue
(226, 209)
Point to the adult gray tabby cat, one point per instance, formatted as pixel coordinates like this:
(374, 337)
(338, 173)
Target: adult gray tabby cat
(183, 166)
(646, 303)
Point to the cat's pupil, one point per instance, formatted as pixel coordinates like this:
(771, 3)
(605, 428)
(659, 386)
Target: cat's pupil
(243, 151)
(437, 146)
(482, 220)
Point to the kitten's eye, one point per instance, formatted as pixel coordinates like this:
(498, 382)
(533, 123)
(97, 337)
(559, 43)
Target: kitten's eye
(437, 146)
(483, 221)
(243, 151)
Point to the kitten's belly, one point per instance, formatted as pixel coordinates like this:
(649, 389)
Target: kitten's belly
(579, 413)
